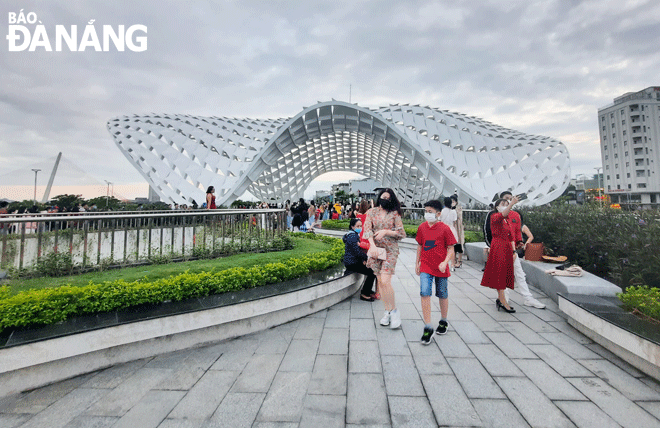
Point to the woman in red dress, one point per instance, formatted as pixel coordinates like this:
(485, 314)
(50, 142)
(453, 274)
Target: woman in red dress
(499, 267)
(210, 198)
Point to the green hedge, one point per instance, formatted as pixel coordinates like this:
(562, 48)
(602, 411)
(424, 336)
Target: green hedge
(618, 245)
(52, 305)
(411, 230)
(643, 299)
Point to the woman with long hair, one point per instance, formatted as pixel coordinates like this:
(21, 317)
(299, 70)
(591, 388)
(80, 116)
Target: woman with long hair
(460, 231)
(384, 229)
(498, 273)
(210, 198)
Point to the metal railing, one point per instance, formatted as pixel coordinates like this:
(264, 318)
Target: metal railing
(133, 238)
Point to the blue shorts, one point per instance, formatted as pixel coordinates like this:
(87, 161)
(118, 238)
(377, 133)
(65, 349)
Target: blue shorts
(426, 285)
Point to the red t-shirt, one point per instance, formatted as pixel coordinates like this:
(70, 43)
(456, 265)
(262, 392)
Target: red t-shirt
(516, 225)
(434, 241)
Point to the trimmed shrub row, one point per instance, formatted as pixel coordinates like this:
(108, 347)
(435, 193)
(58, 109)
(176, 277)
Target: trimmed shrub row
(52, 305)
(642, 299)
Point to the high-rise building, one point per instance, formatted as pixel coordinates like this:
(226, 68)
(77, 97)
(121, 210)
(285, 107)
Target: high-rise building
(630, 147)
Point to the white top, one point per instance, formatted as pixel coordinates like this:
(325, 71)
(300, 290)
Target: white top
(449, 217)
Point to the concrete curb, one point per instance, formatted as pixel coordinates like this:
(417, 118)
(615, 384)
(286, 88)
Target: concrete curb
(40, 363)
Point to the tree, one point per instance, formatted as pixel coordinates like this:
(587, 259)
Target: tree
(67, 201)
(101, 202)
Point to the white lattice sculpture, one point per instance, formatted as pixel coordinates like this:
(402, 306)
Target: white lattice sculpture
(420, 152)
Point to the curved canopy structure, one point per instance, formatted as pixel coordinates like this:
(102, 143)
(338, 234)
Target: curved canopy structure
(420, 152)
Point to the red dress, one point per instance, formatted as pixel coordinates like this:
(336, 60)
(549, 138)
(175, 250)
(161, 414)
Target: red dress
(212, 206)
(499, 267)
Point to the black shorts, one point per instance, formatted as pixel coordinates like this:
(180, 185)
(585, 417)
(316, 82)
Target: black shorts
(458, 248)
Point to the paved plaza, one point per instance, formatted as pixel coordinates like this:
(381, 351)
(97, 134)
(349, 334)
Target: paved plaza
(339, 368)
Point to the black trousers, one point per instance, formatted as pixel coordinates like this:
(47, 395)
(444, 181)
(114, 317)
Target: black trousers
(367, 287)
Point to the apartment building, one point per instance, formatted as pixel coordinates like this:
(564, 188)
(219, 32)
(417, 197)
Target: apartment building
(630, 147)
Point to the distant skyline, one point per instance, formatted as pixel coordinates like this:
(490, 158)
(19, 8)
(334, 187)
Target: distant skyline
(539, 67)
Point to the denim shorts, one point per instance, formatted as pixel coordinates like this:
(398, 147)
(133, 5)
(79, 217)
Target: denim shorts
(426, 285)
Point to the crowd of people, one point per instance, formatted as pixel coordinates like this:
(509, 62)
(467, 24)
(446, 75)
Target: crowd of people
(372, 248)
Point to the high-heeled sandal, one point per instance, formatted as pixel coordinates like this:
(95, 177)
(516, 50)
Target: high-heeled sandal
(499, 305)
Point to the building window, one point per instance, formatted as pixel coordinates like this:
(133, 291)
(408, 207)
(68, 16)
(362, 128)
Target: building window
(629, 186)
(625, 142)
(606, 157)
(616, 165)
(613, 134)
(602, 118)
(628, 175)
(626, 153)
(627, 164)
(607, 167)
(604, 147)
(623, 122)
(624, 132)
(623, 111)
(604, 137)
(616, 156)
(613, 125)
(618, 187)
(604, 128)
(608, 177)
(614, 146)
(617, 177)
(641, 185)
(611, 115)
(640, 173)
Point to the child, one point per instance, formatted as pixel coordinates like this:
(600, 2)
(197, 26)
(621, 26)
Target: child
(435, 250)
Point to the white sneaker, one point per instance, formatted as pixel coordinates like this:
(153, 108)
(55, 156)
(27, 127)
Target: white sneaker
(386, 318)
(396, 319)
(534, 303)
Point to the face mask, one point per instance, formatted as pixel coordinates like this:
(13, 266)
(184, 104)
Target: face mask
(386, 204)
(358, 230)
(430, 217)
(501, 208)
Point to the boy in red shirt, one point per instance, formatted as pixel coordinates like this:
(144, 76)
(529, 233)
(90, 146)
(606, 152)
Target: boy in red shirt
(435, 250)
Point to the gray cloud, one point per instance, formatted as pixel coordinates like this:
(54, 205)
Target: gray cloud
(542, 67)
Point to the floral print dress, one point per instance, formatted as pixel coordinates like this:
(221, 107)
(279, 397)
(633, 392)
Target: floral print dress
(379, 219)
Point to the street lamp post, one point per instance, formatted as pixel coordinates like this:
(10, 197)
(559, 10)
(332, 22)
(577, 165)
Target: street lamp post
(107, 195)
(35, 184)
(598, 168)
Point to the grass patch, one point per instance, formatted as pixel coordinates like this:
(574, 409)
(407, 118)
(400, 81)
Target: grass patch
(301, 248)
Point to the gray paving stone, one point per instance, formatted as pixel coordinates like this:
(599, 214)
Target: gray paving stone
(570, 346)
(258, 374)
(412, 330)
(11, 420)
(202, 400)
(171, 360)
(182, 423)
(364, 357)
(548, 380)
(534, 406)
(182, 379)
(300, 356)
(509, 345)
(485, 322)
(309, 328)
(586, 414)
(494, 361)
(411, 412)
(562, 363)
(64, 410)
(151, 410)
(204, 357)
(651, 383)
(469, 332)
(366, 402)
(614, 359)
(274, 341)
(466, 305)
(569, 330)
(37, 400)
(401, 376)
(392, 342)
(361, 309)
(86, 421)
(320, 314)
(344, 305)
(524, 334)
(548, 316)
(120, 400)
(285, 399)
(275, 425)
(429, 359)
(362, 329)
(631, 387)
(237, 410)
(449, 403)
(337, 319)
(474, 379)
(334, 341)
(329, 376)
(535, 323)
(618, 407)
(653, 407)
(325, 411)
(451, 345)
(409, 311)
(499, 414)
(236, 355)
(113, 376)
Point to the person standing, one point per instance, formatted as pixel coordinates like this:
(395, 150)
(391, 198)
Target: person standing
(435, 248)
(210, 198)
(364, 243)
(460, 231)
(384, 229)
(499, 267)
(448, 216)
(355, 259)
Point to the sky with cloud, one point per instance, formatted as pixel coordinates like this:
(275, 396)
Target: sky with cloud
(540, 67)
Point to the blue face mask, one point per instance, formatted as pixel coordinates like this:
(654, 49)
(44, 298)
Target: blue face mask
(358, 230)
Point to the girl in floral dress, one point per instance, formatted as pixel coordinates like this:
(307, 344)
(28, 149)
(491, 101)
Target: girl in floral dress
(384, 229)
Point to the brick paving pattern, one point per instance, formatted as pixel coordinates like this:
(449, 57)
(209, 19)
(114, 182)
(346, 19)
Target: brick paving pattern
(339, 368)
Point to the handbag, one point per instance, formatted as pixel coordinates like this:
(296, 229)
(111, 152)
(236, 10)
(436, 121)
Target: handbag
(534, 251)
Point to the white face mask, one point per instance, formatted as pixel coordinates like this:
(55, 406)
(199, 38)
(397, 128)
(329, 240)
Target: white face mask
(430, 217)
(501, 208)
